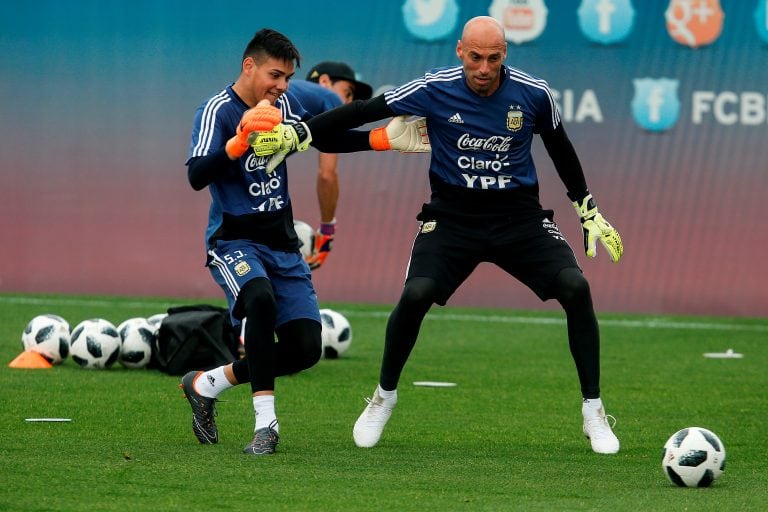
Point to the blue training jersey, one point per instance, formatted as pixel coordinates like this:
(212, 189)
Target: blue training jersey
(480, 142)
(244, 189)
(315, 98)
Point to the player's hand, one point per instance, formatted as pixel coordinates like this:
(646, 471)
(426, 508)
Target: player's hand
(281, 141)
(595, 227)
(323, 245)
(401, 135)
(263, 117)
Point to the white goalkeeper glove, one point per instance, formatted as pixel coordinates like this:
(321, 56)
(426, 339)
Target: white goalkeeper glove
(401, 135)
(281, 141)
(595, 227)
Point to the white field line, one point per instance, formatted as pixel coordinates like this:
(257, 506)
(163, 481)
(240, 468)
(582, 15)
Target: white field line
(654, 323)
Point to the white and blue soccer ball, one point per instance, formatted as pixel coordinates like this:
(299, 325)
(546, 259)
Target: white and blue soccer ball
(95, 344)
(306, 237)
(137, 336)
(336, 333)
(48, 335)
(693, 457)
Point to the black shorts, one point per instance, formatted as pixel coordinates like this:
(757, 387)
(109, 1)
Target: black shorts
(448, 248)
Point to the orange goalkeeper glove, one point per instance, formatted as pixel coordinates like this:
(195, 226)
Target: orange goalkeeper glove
(401, 135)
(261, 118)
(323, 244)
(595, 227)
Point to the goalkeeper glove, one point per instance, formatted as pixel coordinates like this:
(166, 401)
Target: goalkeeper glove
(262, 117)
(596, 227)
(401, 135)
(281, 141)
(323, 244)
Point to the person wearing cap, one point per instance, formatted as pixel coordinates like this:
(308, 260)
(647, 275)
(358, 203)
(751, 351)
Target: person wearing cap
(328, 85)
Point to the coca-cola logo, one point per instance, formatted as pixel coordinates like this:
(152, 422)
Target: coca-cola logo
(496, 143)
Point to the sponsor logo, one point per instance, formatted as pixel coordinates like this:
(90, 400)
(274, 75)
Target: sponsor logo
(552, 229)
(514, 118)
(487, 182)
(254, 163)
(498, 143)
(606, 21)
(694, 23)
(428, 227)
(456, 118)
(242, 268)
(523, 20)
(430, 20)
(470, 162)
(655, 106)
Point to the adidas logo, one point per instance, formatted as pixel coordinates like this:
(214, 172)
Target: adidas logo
(211, 379)
(456, 118)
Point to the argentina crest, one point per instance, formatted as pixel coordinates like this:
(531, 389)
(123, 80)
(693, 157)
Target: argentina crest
(514, 118)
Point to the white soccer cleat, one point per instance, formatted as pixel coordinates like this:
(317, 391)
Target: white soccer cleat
(370, 424)
(598, 430)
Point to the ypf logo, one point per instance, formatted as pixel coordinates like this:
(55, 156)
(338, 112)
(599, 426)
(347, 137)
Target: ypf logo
(655, 105)
(694, 23)
(606, 21)
(430, 19)
(523, 20)
(761, 19)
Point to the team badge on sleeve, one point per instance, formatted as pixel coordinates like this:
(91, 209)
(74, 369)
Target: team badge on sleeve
(428, 227)
(242, 268)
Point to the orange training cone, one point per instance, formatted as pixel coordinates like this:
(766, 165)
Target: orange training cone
(30, 359)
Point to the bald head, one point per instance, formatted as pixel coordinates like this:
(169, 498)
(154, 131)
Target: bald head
(482, 50)
(485, 28)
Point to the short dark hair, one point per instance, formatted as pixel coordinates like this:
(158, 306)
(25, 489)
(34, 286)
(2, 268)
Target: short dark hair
(271, 43)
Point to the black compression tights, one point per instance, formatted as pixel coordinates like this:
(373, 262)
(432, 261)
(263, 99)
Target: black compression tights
(297, 349)
(403, 328)
(572, 291)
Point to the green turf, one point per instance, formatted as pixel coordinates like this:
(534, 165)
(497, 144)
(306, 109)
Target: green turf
(508, 437)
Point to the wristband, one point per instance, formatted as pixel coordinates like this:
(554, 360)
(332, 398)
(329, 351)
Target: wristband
(328, 228)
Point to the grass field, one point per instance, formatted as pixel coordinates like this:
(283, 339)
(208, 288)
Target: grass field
(508, 437)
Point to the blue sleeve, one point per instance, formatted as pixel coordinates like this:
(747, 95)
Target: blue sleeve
(411, 98)
(210, 130)
(547, 114)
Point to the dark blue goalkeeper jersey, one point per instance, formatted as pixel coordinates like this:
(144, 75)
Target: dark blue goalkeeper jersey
(480, 142)
(244, 195)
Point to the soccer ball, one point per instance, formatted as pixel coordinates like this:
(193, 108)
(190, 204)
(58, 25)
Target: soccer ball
(306, 237)
(48, 335)
(136, 338)
(95, 344)
(693, 457)
(336, 334)
(155, 321)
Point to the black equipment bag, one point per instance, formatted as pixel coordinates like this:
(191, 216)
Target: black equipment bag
(199, 337)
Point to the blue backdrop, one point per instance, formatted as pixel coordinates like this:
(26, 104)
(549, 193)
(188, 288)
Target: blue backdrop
(664, 100)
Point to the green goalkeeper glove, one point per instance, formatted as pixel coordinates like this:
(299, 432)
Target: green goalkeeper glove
(281, 141)
(596, 227)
